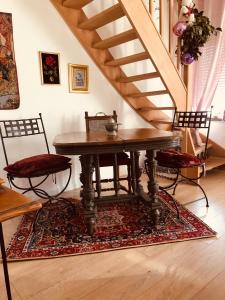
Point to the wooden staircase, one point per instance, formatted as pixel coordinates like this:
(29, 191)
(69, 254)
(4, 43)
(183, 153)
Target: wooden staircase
(142, 29)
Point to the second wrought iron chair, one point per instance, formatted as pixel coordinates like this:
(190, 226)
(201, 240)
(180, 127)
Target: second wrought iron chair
(177, 160)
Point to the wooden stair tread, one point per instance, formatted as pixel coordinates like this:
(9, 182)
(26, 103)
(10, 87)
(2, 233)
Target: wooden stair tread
(145, 94)
(214, 161)
(163, 121)
(116, 39)
(139, 77)
(200, 149)
(147, 108)
(76, 4)
(109, 15)
(128, 59)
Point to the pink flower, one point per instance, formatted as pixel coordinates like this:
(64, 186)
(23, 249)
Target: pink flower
(187, 58)
(179, 28)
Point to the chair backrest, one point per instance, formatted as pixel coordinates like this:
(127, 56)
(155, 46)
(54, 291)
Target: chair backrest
(21, 128)
(194, 120)
(97, 122)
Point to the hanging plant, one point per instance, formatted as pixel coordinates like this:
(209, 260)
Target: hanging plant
(194, 32)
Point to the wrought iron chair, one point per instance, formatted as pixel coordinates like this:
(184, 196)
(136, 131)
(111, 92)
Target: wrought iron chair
(115, 160)
(177, 160)
(34, 169)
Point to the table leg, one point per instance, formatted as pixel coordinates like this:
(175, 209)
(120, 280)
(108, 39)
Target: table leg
(139, 190)
(116, 175)
(152, 185)
(133, 173)
(88, 192)
(98, 176)
(138, 172)
(4, 262)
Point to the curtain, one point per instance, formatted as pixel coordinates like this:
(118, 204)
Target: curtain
(208, 68)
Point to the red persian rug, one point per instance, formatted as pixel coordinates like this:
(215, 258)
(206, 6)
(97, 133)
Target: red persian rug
(60, 229)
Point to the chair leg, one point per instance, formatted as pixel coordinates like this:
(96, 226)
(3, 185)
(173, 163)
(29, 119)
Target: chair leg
(176, 184)
(43, 194)
(176, 181)
(174, 189)
(37, 190)
(195, 183)
(206, 198)
(4, 262)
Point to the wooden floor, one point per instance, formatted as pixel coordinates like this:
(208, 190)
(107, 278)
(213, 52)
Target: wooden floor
(177, 271)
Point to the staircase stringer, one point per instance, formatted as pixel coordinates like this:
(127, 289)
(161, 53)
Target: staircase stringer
(158, 53)
(73, 17)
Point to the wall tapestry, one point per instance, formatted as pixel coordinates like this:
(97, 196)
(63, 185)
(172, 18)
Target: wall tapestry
(9, 90)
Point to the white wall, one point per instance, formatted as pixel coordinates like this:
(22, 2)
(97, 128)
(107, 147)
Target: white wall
(217, 130)
(38, 27)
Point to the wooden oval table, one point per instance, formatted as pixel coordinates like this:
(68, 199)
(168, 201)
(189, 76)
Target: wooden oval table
(89, 145)
(12, 204)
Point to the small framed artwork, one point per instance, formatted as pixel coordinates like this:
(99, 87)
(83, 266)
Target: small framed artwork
(49, 63)
(78, 78)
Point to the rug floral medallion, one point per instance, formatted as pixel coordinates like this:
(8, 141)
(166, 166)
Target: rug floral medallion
(60, 229)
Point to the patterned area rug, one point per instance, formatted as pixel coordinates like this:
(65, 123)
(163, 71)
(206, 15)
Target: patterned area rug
(60, 229)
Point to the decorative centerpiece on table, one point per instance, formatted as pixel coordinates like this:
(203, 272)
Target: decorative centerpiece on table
(194, 30)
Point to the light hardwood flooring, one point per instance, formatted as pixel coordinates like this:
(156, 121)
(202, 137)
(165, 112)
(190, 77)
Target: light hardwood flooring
(176, 271)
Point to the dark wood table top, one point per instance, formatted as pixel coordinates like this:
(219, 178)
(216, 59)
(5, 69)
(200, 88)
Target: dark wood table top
(13, 204)
(125, 140)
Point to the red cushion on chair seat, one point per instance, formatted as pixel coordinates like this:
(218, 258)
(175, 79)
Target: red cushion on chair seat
(38, 165)
(107, 159)
(171, 158)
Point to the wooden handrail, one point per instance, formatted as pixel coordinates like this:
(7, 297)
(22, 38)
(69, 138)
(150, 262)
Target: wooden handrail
(157, 51)
(168, 13)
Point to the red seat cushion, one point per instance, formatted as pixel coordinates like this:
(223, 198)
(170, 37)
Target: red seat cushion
(171, 158)
(107, 159)
(38, 165)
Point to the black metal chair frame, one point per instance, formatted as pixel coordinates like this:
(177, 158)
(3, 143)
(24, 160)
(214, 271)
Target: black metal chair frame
(23, 128)
(196, 120)
(103, 118)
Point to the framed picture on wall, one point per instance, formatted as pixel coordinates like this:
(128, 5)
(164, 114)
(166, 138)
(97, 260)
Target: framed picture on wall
(78, 78)
(49, 63)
